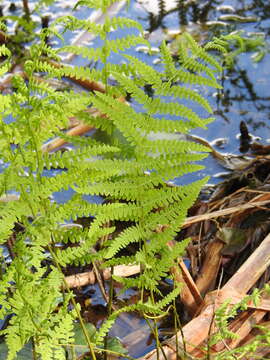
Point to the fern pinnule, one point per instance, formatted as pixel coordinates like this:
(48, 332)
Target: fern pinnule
(146, 72)
(66, 160)
(70, 22)
(168, 299)
(130, 235)
(184, 93)
(120, 260)
(201, 53)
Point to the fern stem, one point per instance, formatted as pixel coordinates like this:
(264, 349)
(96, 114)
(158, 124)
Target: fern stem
(85, 332)
(155, 333)
(110, 292)
(117, 354)
(178, 326)
(34, 349)
(100, 282)
(109, 309)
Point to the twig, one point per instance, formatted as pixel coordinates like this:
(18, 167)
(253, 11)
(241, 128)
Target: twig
(26, 9)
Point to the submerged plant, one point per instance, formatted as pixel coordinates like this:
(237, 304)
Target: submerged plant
(130, 172)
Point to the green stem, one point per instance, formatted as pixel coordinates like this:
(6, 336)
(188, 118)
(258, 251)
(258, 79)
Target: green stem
(110, 293)
(178, 326)
(109, 310)
(34, 349)
(155, 332)
(85, 332)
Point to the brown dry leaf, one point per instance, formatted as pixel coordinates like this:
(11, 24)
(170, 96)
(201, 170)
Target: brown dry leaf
(234, 239)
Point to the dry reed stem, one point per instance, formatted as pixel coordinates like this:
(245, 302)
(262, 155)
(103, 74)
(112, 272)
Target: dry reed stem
(228, 211)
(85, 83)
(88, 277)
(57, 142)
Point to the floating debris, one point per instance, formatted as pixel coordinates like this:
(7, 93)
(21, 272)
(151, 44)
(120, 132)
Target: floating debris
(216, 23)
(220, 142)
(156, 61)
(238, 18)
(226, 8)
(147, 50)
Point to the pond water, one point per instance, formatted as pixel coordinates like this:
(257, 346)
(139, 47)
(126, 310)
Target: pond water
(245, 95)
(246, 90)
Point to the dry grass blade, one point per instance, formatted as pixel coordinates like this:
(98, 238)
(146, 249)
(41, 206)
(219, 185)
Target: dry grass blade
(224, 212)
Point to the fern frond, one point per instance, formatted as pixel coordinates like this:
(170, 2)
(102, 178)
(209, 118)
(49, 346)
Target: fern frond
(4, 51)
(131, 235)
(185, 77)
(121, 260)
(5, 104)
(168, 299)
(201, 53)
(185, 93)
(95, 4)
(121, 23)
(106, 326)
(70, 22)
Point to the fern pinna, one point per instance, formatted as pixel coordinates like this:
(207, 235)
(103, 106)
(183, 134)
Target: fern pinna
(131, 173)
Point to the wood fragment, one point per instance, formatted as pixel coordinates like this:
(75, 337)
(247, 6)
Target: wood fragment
(189, 294)
(82, 279)
(254, 266)
(188, 280)
(208, 273)
(122, 270)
